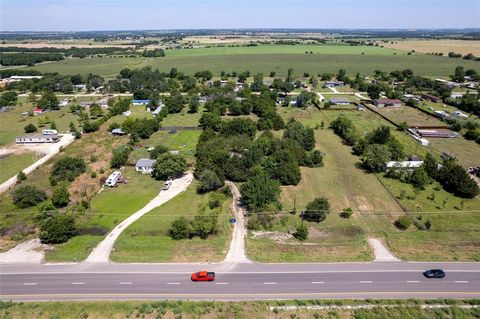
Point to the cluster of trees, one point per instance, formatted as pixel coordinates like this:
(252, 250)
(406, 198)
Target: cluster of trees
(120, 156)
(140, 128)
(468, 103)
(54, 82)
(155, 53)
(67, 169)
(169, 166)
(8, 98)
(29, 59)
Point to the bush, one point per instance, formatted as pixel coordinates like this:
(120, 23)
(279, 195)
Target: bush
(158, 150)
(169, 166)
(60, 196)
(180, 228)
(346, 213)
(403, 222)
(30, 128)
(67, 168)
(46, 210)
(209, 181)
(317, 210)
(120, 156)
(58, 229)
(301, 233)
(204, 225)
(216, 199)
(21, 177)
(27, 196)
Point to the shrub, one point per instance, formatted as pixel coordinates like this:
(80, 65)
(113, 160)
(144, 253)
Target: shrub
(180, 229)
(60, 196)
(301, 232)
(27, 196)
(30, 128)
(204, 225)
(21, 177)
(93, 174)
(120, 156)
(67, 168)
(346, 213)
(46, 210)
(58, 229)
(158, 150)
(403, 222)
(216, 199)
(317, 210)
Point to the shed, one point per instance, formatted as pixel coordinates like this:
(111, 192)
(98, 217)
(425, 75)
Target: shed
(339, 101)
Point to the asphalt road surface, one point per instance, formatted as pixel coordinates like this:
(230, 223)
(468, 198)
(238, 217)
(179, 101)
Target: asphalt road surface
(241, 282)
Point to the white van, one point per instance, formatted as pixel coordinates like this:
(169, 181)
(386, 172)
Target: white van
(49, 132)
(112, 180)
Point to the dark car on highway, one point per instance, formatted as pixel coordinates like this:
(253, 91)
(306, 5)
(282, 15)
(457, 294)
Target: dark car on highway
(434, 273)
(203, 276)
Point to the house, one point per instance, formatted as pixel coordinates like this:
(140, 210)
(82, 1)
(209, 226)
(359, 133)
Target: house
(239, 98)
(157, 111)
(403, 165)
(459, 114)
(441, 114)
(456, 95)
(387, 102)
(37, 111)
(414, 158)
(118, 132)
(64, 102)
(437, 133)
(339, 101)
(330, 84)
(31, 139)
(4, 109)
(80, 86)
(432, 98)
(144, 165)
(140, 102)
(444, 156)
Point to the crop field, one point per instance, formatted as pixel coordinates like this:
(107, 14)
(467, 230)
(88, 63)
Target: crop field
(147, 240)
(410, 115)
(445, 46)
(109, 67)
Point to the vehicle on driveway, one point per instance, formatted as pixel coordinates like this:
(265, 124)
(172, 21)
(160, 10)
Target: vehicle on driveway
(434, 273)
(203, 276)
(167, 185)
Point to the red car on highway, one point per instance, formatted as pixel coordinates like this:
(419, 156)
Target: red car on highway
(203, 276)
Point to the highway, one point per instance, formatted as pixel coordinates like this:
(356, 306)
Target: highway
(237, 281)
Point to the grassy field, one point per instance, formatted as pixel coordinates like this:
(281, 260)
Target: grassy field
(147, 240)
(365, 64)
(398, 309)
(411, 116)
(12, 164)
(467, 152)
(445, 46)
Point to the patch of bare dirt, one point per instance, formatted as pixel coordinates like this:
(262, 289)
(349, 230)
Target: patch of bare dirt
(314, 233)
(276, 236)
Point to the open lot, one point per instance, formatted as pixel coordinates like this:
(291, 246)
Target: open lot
(410, 115)
(12, 164)
(365, 64)
(147, 240)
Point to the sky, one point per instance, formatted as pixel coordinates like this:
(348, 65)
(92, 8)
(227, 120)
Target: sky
(87, 15)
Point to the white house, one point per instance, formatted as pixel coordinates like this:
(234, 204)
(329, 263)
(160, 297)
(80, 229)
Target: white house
(31, 139)
(145, 165)
(441, 114)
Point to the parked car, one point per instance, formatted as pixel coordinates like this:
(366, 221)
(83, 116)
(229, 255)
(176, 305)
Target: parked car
(434, 273)
(167, 185)
(203, 276)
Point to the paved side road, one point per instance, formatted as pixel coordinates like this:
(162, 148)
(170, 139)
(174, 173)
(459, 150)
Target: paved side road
(101, 253)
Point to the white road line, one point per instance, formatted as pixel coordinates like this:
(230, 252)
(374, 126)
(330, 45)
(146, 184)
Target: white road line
(366, 282)
(173, 283)
(221, 283)
(269, 283)
(124, 283)
(412, 281)
(30, 284)
(78, 283)
(318, 282)
(461, 281)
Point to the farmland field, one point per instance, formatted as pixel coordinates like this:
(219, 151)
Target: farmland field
(445, 46)
(366, 64)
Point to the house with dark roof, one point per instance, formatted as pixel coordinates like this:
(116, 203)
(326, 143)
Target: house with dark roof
(330, 84)
(432, 98)
(339, 101)
(145, 165)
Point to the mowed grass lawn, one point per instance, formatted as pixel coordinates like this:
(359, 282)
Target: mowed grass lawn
(108, 208)
(12, 164)
(109, 67)
(147, 240)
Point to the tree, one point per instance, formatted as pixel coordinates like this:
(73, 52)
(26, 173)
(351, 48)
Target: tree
(341, 75)
(257, 84)
(49, 101)
(8, 98)
(193, 104)
(46, 210)
(239, 126)
(203, 225)
(57, 229)
(374, 91)
(211, 120)
(431, 166)
(419, 178)
(158, 150)
(455, 179)
(21, 177)
(209, 181)
(169, 166)
(67, 168)
(459, 74)
(96, 110)
(317, 210)
(259, 190)
(403, 222)
(121, 106)
(120, 156)
(27, 196)
(303, 135)
(180, 229)
(375, 156)
(30, 128)
(60, 196)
